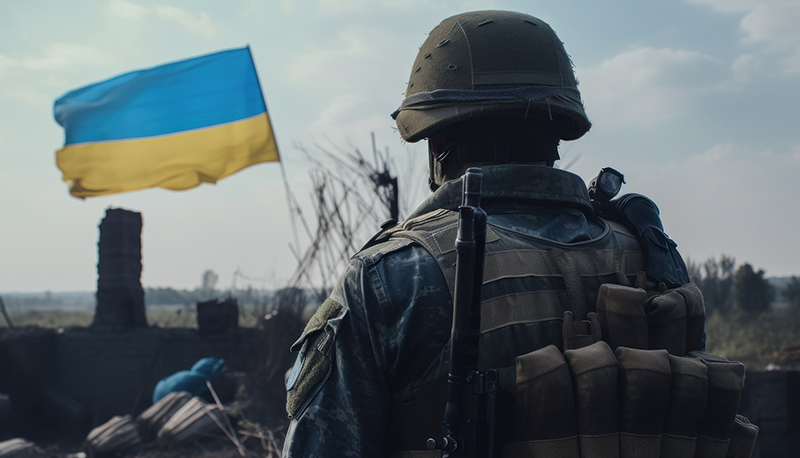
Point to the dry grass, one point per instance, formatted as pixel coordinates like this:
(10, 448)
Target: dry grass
(49, 318)
(768, 338)
(164, 318)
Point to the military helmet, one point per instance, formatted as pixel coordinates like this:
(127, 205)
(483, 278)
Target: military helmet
(490, 63)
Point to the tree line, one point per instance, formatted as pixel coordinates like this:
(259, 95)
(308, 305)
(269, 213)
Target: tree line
(727, 287)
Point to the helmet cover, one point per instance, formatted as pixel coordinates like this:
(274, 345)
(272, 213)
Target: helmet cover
(490, 63)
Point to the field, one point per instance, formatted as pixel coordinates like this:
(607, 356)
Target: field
(164, 317)
(770, 339)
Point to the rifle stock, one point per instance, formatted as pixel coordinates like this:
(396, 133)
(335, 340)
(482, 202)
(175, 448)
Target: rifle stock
(470, 426)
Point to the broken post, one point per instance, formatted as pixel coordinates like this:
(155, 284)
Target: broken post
(120, 297)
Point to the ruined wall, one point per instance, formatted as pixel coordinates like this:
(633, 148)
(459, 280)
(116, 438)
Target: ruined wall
(54, 376)
(113, 374)
(771, 400)
(110, 374)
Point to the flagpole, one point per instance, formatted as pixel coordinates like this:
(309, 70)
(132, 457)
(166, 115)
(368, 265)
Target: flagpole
(283, 169)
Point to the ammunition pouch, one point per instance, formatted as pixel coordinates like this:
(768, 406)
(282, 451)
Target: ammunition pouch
(644, 383)
(687, 404)
(725, 382)
(545, 423)
(630, 403)
(595, 373)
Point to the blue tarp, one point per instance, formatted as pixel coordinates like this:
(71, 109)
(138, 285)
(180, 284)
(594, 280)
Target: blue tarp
(192, 381)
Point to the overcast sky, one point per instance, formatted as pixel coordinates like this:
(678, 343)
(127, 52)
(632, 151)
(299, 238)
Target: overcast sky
(696, 101)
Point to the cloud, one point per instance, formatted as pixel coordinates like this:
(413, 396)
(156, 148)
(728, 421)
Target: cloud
(28, 78)
(287, 6)
(54, 57)
(433, 8)
(334, 7)
(329, 66)
(743, 66)
(7, 64)
(26, 93)
(347, 115)
(340, 6)
(646, 86)
(200, 23)
(125, 10)
(348, 80)
(58, 56)
(769, 22)
(726, 6)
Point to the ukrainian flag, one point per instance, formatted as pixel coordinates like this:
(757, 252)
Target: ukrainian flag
(173, 126)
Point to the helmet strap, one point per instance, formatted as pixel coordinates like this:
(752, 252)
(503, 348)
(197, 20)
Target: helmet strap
(435, 172)
(436, 160)
(432, 164)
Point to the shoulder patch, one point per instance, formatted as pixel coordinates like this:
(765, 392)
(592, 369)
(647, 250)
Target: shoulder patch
(314, 360)
(382, 247)
(428, 217)
(388, 230)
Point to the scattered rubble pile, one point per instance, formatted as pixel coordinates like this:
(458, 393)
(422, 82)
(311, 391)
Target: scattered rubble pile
(175, 420)
(17, 448)
(153, 419)
(121, 433)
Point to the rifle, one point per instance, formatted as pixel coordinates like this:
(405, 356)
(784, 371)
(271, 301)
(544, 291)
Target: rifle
(471, 423)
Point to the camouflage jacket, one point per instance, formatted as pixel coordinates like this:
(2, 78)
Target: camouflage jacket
(389, 316)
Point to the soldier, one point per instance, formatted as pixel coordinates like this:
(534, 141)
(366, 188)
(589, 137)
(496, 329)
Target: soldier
(494, 89)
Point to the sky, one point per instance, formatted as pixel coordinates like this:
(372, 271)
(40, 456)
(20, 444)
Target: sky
(695, 101)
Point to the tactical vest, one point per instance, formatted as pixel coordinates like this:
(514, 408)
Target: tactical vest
(529, 282)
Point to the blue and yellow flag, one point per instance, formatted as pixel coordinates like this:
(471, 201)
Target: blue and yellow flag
(173, 126)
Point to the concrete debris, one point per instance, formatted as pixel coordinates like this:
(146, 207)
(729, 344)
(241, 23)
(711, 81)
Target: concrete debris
(17, 448)
(175, 420)
(192, 421)
(120, 434)
(153, 419)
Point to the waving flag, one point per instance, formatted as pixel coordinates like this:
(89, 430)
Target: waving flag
(173, 126)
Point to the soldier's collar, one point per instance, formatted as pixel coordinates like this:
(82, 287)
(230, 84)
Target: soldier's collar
(518, 184)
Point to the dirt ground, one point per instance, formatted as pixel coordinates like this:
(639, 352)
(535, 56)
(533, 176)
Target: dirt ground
(210, 448)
